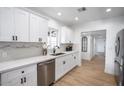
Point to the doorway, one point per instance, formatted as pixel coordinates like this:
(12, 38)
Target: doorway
(95, 45)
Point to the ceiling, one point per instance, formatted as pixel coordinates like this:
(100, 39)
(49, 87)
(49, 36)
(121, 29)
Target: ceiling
(69, 13)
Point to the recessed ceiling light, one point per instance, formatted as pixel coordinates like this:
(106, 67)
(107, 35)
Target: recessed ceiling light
(108, 10)
(59, 13)
(76, 18)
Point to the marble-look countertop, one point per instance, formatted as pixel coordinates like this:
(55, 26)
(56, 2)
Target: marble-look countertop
(13, 64)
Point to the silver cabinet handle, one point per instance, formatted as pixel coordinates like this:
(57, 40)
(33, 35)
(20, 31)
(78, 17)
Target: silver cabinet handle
(64, 62)
(16, 38)
(21, 80)
(22, 72)
(74, 57)
(12, 37)
(40, 39)
(24, 79)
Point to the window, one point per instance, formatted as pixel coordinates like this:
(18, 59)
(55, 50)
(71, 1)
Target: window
(52, 37)
(84, 44)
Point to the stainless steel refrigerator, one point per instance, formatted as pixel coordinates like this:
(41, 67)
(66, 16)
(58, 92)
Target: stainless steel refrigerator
(119, 58)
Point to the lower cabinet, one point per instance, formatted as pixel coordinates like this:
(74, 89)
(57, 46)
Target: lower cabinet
(59, 67)
(64, 64)
(75, 58)
(26, 76)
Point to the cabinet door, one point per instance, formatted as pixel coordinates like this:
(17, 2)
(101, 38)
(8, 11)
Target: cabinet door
(71, 61)
(58, 68)
(66, 35)
(21, 19)
(11, 78)
(20, 77)
(34, 28)
(30, 79)
(75, 59)
(68, 63)
(70, 36)
(6, 24)
(43, 29)
(15, 82)
(63, 35)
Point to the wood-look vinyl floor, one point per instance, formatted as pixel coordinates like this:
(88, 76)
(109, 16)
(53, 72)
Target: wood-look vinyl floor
(89, 74)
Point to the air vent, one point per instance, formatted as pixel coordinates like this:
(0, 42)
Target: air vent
(81, 9)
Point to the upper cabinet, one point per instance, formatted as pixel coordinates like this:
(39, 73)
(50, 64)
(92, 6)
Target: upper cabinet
(6, 24)
(66, 35)
(14, 25)
(43, 29)
(34, 28)
(21, 21)
(38, 29)
(21, 26)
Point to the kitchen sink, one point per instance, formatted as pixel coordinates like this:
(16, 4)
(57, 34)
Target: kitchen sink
(56, 54)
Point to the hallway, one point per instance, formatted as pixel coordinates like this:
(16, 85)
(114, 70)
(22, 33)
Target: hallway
(89, 74)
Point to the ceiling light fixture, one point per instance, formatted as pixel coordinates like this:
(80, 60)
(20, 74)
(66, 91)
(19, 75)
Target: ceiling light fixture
(108, 10)
(59, 13)
(76, 18)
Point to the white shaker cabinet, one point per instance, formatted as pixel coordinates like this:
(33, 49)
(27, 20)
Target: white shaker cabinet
(66, 35)
(38, 29)
(25, 76)
(14, 25)
(34, 28)
(21, 21)
(43, 29)
(6, 24)
(76, 59)
(21, 26)
(70, 62)
(64, 64)
(58, 68)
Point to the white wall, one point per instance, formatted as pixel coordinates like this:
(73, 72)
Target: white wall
(112, 26)
(100, 43)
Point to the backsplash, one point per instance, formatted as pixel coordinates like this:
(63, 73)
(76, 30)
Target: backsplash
(15, 50)
(64, 45)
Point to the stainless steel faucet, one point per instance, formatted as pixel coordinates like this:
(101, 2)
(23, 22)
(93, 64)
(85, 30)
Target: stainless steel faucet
(54, 49)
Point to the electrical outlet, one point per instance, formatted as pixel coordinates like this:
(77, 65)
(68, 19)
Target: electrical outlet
(4, 54)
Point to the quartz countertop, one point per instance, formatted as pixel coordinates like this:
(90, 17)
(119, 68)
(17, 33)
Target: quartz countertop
(13, 64)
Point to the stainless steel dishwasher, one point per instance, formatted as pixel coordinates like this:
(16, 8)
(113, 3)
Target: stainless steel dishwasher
(46, 73)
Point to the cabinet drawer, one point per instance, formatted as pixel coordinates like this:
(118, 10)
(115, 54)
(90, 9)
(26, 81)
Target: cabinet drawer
(8, 76)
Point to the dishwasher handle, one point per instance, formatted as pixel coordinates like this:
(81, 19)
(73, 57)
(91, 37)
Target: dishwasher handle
(46, 62)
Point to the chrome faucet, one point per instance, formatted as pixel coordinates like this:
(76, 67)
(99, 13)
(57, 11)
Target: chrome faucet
(54, 49)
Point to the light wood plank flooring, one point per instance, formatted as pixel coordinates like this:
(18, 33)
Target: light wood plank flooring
(89, 74)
